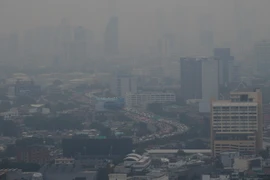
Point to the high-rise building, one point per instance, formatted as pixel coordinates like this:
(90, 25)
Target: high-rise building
(225, 65)
(210, 85)
(199, 78)
(63, 41)
(79, 49)
(111, 37)
(166, 46)
(262, 55)
(206, 34)
(237, 124)
(121, 85)
(13, 47)
(190, 75)
(206, 41)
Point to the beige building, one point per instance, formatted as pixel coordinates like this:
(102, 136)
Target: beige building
(237, 124)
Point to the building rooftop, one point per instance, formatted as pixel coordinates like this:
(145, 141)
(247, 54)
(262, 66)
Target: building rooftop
(174, 151)
(229, 103)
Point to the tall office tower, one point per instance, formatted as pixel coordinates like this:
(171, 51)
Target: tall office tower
(206, 41)
(237, 124)
(111, 37)
(199, 78)
(79, 48)
(206, 34)
(226, 62)
(262, 56)
(121, 85)
(4, 49)
(190, 76)
(244, 19)
(27, 45)
(210, 81)
(166, 45)
(63, 40)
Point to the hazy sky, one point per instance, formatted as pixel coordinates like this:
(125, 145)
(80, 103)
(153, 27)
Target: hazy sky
(137, 18)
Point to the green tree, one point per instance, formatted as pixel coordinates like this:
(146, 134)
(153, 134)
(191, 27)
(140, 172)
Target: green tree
(264, 153)
(140, 151)
(155, 108)
(9, 128)
(62, 122)
(218, 163)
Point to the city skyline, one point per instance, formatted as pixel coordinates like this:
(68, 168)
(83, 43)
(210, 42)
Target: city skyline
(140, 23)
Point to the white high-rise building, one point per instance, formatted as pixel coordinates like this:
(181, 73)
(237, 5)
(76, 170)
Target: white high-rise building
(210, 85)
(122, 85)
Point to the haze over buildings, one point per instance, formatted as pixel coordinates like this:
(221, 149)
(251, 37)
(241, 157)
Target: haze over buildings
(131, 28)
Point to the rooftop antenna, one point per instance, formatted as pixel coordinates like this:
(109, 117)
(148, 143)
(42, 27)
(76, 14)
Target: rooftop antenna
(241, 84)
(221, 95)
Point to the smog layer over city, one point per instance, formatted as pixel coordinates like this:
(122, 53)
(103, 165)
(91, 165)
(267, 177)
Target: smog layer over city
(134, 89)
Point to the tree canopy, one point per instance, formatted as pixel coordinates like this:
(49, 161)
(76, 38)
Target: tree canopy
(62, 122)
(9, 128)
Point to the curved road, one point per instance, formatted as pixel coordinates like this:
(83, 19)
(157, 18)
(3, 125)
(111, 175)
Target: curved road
(166, 127)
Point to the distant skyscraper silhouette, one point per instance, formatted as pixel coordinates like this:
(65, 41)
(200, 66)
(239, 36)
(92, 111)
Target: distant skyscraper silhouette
(111, 37)
(79, 48)
(13, 47)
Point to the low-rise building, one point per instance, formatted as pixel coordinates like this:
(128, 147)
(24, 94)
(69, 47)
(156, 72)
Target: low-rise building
(67, 172)
(242, 164)
(11, 114)
(169, 153)
(33, 154)
(215, 177)
(11, 174)
(227, 158)
(152, 175)
(64, 161)
(118, 177)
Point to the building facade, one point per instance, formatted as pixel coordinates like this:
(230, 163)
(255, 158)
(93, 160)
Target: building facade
(111, 37)
(225, 65)
(143, 99)
(199, 78)
(190, 74)
(123, 84)
(210, 81)
(262, 55)
(237, 124)
(33, 154)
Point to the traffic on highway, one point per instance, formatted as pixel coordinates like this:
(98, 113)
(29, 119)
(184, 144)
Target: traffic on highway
(166, 127)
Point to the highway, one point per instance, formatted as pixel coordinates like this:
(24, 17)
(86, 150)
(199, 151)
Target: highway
(166, 127)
